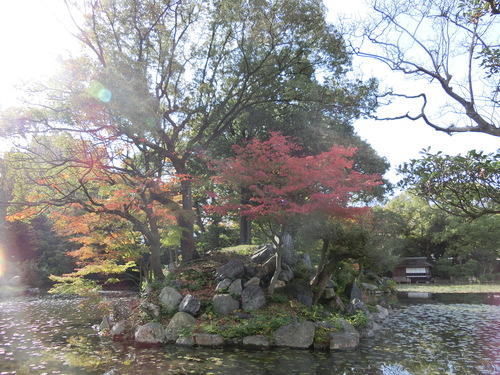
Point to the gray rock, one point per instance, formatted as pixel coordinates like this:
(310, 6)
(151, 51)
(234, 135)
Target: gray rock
(382, 311)
(306, 260)
(289, 255)
(253, 298)
(254, 281)
(348, 327)
(367, 333)
(262, 254)
(150, 333)
(224, 304)
(151, 309)
(346, 339)
(118, 328)
(206, 339)
(267, 268)
(355, 292)
(336, 304)
(185, 341)
(301, 293)
(190, 305)
(250, 271)
(286, 273)
(343, 341)
(235, 287)
(222, 286)
(170, 298)
(179, 322)
(258, 341)
(295, 335)
(234, 269)
(356, 305)
(329, 293)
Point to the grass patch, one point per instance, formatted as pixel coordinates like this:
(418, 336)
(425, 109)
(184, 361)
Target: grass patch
(240, 250)
(451, 288)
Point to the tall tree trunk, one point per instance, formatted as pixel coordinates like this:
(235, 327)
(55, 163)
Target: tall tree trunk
(321, 279)
(245, 231)
(186, 223)
(155, 246)
(155, 261)
(245, 222)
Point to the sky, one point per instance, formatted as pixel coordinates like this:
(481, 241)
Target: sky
(32, 36)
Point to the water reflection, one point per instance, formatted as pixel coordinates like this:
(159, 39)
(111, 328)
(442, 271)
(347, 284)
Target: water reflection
(54, 336)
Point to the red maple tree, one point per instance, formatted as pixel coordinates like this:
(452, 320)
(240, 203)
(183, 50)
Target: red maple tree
(280, 184)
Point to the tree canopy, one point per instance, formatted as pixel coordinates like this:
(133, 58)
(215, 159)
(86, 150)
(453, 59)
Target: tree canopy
(466, 185)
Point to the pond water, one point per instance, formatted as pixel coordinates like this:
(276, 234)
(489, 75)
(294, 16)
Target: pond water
(44, 335)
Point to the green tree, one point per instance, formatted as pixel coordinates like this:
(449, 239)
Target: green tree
(472, 245)
(459, 246)
(465, 185)
(416, 227)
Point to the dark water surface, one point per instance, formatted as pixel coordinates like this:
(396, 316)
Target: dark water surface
(44, 335)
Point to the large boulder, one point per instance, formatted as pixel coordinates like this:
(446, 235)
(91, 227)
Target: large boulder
(346, 339)
(295, 335)
(223, 285)
(253, 298)
(262, 254)
(266, 269)
(256, 341)
(234, 269)
(343, 341)
(235, 287)
(224, 304)
(190, 305)
(301, 293)
(150, 333)
(170, 298)
(179, 322)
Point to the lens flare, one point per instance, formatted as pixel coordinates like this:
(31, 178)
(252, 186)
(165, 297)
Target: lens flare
(98, 91)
